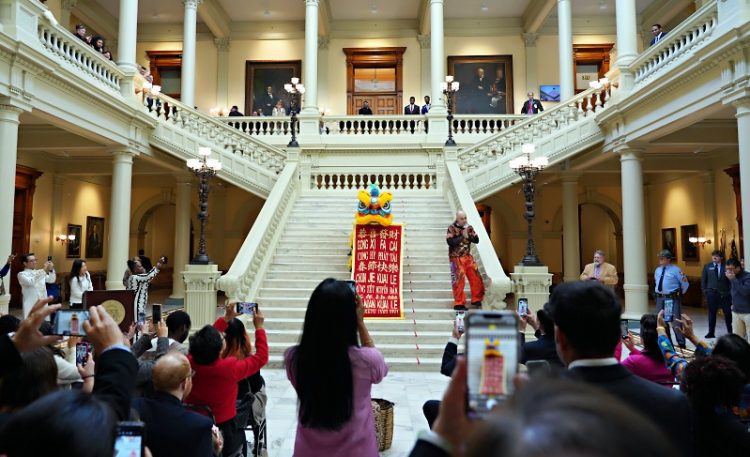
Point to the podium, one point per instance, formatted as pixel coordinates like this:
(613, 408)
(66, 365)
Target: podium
(120, 304)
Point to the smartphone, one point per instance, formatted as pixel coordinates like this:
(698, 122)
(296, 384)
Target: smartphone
(668, 309)
(523, 306)
(155, 313)
(130, 440)
(49, 258)
(624, 328)
(492, 346)
(82, 352)
(352, 285)
(460, 321)
(538, 368)
(246, 308)
(164, 259)
(69, 322)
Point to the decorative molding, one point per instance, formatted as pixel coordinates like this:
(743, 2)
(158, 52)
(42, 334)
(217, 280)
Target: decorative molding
(68, 4)
(222, 44)
(424, 41)
(194, 4)
(530, 39)
(323, 42)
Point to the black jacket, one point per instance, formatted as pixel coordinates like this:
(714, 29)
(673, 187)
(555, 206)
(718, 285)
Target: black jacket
(542, 349)
(711, 280)
(172, 430)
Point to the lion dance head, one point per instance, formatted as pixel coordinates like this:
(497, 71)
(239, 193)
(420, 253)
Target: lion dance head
(374, 207)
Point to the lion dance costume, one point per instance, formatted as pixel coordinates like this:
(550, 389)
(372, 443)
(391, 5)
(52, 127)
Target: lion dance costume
(373, 207)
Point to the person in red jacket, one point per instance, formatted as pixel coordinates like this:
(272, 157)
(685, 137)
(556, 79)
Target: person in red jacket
(215, 379)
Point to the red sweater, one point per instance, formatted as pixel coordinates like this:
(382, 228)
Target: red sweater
(215, 385)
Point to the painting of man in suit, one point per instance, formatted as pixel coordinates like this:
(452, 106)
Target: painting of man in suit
(264, 86)
(94, 237)
(486, 84)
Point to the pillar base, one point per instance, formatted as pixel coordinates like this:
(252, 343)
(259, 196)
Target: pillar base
(533, 284)
(114, 285)
(200, 294)
(636, 300)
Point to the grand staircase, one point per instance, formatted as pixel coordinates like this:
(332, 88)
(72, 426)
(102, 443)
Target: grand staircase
(314, 246)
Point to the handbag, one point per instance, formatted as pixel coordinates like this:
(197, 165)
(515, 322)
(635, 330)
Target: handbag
(382, 413)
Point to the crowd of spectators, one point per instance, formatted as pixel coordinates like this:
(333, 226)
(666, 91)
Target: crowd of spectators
(96, 41)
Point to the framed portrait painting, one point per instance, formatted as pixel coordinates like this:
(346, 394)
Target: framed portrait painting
(669, 241)
(486, 84)
(689, 250)
(73, 248)
(94, 237)
(264, 85)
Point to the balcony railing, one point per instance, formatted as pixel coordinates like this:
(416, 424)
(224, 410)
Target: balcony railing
(391, 180)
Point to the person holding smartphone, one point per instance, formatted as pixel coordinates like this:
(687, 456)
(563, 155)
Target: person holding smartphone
(139, 281)
(460, 236)
(671, 284)
(80, 283)
(33, 280)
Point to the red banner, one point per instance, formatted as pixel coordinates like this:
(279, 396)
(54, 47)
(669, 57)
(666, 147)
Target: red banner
(377, 268)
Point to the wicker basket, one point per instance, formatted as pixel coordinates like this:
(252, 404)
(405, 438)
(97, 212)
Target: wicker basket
(382, 412)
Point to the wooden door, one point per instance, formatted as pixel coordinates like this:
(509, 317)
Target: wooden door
(387, 105)
(22, 206)
(593, 55)
(384, 99)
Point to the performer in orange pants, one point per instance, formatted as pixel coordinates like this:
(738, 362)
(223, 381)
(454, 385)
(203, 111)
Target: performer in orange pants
(459, 237)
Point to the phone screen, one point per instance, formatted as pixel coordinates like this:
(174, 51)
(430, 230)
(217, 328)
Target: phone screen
(352, 285)
(492, 359)
(156, 313)
(69, 322)
(523, 306)
(668, 309)
(49, 258)
(624, 328)
(129, 441)
(82, 351)
(246, 308)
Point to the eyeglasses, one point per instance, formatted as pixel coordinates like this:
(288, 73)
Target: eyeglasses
(191, 375)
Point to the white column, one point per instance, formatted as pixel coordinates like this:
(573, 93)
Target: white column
(532, 80)
(324, 97)
(571, 229)
(183, 195)
(66, 7)
(187, 89)
(565, 32)
(310, 74)
(222, 73)
(119, 217)
(437, 56)
(634, 232)
(9, 116)
(426, 80)
(126, 41)
(743, 141)
(627, 41)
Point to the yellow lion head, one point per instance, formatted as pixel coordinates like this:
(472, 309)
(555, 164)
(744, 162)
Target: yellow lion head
(374, 207)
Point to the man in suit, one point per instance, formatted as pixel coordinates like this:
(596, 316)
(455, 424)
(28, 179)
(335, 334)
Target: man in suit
(268, 101)
(658, 34)
(718, 292)
(170, 428)
(411, 108)
(587, 330)
(427, 105)
(544, 347)
(531, 105)
(599, 270)
(365, 110)
(479, 92)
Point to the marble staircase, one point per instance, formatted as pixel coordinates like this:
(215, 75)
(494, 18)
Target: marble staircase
(314, 246)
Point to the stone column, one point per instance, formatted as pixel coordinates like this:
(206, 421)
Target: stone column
(743, 141)
(310, 73)
(437, 56)
(183, 197)
(565, 32)
(118, 243)
(222, 73)
(9, 116)
(426, 80)
(187, 89)
(126, 42)
(66, 7)
(627, 42)
(532, 79)
(634, 236)
(571, 229)
(324, 100)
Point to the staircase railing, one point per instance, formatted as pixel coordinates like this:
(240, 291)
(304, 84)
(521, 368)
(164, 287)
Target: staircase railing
(244, 277)
(249, 162)
(459, 197)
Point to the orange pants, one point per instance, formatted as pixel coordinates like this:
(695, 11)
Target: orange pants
(461, 268)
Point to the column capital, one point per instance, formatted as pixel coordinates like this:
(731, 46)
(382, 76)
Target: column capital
(194, 4)
(68, 4)
(424, 41)
(529, 39)
(183, 178)
(222, 44)
(743, 106)
(622, 148)
(10, 112)
(323, 41)
(570, 176)
(122, 154)
(312, 2)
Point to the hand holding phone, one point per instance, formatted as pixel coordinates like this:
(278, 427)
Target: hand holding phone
(69, 322)
(130, 440)
(82, 352)
(668, 310)
(156, 313)
(624, 329)
(523, 306)
(246, 308)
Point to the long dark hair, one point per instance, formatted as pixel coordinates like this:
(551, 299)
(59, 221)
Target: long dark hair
(238, 343)
(75, 270)
(649, 338)
(320, 364)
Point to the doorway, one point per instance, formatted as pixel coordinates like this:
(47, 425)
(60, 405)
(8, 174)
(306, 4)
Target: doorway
(374, 75)
(22, 206)
(590, 63)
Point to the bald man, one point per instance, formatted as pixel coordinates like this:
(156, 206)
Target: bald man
(170, 428)
(459, 237)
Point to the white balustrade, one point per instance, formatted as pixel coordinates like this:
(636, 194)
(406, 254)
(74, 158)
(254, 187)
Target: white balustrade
(392, 180)
(530, 128)
(484, 123)
(77, 55)
(261, 126)
(373, 125)
(677, 44)
(221, 136)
